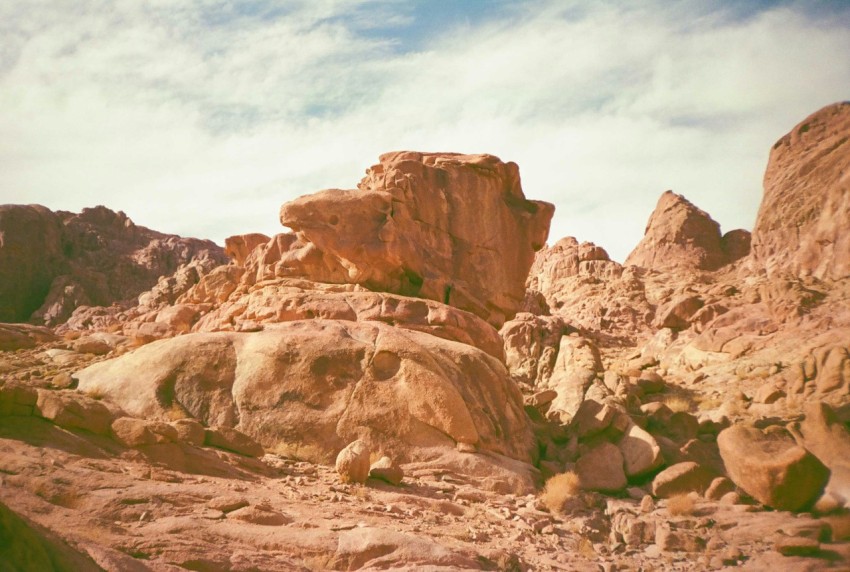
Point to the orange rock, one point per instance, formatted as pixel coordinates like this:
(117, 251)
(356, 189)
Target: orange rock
(447, 227)
(801, 227)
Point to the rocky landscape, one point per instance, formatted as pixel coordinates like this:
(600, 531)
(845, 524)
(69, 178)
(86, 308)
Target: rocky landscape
(413, 379)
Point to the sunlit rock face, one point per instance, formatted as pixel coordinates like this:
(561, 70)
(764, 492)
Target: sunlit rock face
(681, 236)
(801, 227)
(443, 226)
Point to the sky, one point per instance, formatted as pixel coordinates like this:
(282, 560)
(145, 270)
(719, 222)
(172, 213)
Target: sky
(201, 117)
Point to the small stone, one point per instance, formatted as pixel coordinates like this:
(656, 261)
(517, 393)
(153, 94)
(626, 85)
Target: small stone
(732, 498)
(387, 470)
(647, 504)
(228, 503)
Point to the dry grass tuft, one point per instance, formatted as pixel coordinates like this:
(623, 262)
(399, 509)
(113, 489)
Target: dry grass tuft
(558, 490)
(361, 491)
(677, 404)
(96, 393)
(681, 505)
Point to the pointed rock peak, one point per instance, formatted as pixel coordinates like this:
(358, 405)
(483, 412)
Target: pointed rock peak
(801, 228)
(679, 235)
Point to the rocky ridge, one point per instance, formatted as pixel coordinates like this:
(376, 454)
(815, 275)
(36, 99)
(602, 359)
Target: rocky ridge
(666, 402)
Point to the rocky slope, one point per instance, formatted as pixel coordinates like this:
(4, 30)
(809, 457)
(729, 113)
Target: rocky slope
(687, 409)
(52, 263)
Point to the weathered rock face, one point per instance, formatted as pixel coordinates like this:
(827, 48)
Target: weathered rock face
(322, 384)
(770, 466)
(801, 227)
(51, 263)
(447, 227)
(582, 285)
(679, 235)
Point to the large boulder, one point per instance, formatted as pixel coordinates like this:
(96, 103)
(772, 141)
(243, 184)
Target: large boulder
(771, 467)
(448, 227)
(801, 227)
(680, 236)
(321, 384)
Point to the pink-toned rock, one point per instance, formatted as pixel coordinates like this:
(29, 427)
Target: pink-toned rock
(189, 431)
(232, 440)
(681, 478)
(591, 418)
(641, 453)
(323, 383)
(17, 399)
(52, 262)
(290, 299)
(387, 470)
(601, 469)
(139, 432)
(22, 336)
(352, 463)
(677, 313)
(580, 284)
(240, 246)
(679, 236)
(801, 228)
(447, 227)
(771, 467)
(73, 410)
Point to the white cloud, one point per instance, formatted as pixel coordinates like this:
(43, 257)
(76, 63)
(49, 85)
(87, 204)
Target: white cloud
(201, 118)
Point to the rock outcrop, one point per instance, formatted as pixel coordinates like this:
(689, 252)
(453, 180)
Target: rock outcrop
(801, 227)
(452, 228)
(681, 236)
(53, 262)
(320, 384)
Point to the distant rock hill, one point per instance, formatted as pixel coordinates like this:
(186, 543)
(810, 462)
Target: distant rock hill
(53, 262)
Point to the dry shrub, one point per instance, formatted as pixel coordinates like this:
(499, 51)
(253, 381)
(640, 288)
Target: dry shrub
(558, 490)
(677, 404)
(681, 505)
(96, 393)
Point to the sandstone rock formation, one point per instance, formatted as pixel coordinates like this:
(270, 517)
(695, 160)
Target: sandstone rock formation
(771, 467)
(801, 227)
(681, 236)
(51, 263)
(319, 384)
(694, 387)
(447, 227)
